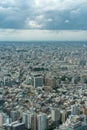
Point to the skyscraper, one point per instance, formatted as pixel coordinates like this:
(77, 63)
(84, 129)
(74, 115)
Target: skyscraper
(1, 120)
(33, 121)
(14, 115)
(63, 116)
(55, 113)
(74, 109)
(42, 121)
(37, 81)
(27, 119)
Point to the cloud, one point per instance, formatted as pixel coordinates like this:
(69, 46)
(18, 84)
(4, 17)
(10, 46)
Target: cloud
(35, 35)
(67, 21)
(33, 24)
(43, 14)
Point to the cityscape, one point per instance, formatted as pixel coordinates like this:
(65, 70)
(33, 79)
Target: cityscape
(43, 64)
(43, 85)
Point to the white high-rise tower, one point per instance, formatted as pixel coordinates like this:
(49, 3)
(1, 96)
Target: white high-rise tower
(42, 121)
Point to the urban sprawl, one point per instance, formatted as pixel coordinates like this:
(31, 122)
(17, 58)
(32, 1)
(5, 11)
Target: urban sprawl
(43, 85)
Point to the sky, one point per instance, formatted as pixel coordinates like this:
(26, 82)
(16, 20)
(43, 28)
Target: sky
(43, 20)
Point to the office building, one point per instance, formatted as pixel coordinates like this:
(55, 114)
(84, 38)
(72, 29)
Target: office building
(1, 120)
(19, 126)
(63, 116)
(14, 126)
(55, 113)
(14, 115)
(34, 121)
(37, 81)
(27, 119)
(75, 109)
(42, 121)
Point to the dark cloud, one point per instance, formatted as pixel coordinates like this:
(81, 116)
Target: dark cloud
(36, 14)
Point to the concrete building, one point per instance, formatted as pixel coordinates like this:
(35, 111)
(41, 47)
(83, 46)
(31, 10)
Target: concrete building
(14, 126)
(55, 113)
(27, 119)
(19, 126)
(42, 121)
(63, 116)
(34, 121)
(1, 120)
(75, 109)
(37, 81)
(14, 115)
(77, 126)
(50, 82)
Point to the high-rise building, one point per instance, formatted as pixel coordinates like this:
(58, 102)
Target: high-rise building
(55, 113)
(14, 115)
(77, 126)
(50, 82)
(34, 121)
(6, 118)
(19, 126)
(14, 126)
(28, 80)
(75, 109)
(27, 119)
(37, 81)
(85, 112)
(42, 121)
(1, 120)
(63, 116)
(8, 126)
